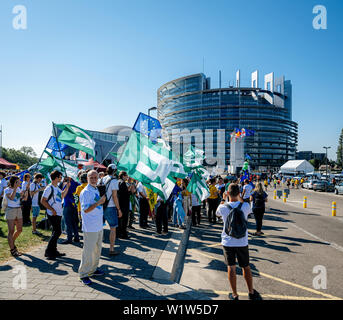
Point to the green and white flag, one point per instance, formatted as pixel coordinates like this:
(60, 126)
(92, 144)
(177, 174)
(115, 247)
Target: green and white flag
(193, 157)
(76, 138)
(152, 164)
(198, 187)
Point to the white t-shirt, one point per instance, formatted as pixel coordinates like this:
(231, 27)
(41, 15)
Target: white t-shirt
(93, 220)
(141, 189)
(3, 185)
(248, 189)
(195, 201)
(35, 187)
(56, 199)
(114, 185)
(24, 185)
(223, 212)
(15, 203)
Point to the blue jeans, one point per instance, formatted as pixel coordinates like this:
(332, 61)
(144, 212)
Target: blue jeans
(178, 213)
(71, 221)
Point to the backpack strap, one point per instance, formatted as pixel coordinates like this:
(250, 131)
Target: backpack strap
(229, 207)
(240, 205)
(51, 194)
(107, 187)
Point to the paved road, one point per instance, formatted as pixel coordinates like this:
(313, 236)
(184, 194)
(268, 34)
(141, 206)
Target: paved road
(296, 240)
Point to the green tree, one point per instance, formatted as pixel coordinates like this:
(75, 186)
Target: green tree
(28, 151)
(340, 150)
(315, 163)
(18, 157)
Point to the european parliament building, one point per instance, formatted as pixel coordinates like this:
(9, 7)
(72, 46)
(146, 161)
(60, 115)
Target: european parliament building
(188, 104)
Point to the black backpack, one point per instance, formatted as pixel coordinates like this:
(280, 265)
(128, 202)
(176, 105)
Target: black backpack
(103, 188)
(235, 225)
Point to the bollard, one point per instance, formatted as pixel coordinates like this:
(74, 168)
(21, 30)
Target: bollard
(305, 202)
(274, 194)
(284, 196)
(334, 209)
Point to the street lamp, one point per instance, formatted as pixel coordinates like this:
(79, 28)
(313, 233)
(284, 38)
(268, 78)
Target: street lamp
(152, 108)
(326, 148)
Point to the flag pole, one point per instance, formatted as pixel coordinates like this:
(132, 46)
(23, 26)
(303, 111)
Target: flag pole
(59, 149)
(40, 159)
(109, 153)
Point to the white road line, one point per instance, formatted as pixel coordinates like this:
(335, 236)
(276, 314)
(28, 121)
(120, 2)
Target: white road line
(332, 244)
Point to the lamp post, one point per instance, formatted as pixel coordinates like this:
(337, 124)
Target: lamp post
(152, 108)
(326, 148)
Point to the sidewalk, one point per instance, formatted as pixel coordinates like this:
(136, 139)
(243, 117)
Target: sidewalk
(140, 272)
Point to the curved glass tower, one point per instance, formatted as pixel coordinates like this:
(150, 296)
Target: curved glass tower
(188, 103)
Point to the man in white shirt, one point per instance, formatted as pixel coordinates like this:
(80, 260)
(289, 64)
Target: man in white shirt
(52, 200)
(236, 247)
(112, 211)
(35, 188)
(92, 227)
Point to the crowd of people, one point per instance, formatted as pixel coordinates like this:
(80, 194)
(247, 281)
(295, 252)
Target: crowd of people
(115, 198)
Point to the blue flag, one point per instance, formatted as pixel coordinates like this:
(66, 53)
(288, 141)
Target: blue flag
(52, 145)
(249, 132)
(58, 154)
(247, 157)
(149, 126)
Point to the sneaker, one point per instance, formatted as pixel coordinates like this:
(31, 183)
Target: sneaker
(255, 296)
(231, 297)
(157, 234)
(51, 257)
(97, 272)
(164, 233)
(86, 281)
(114, 253)
(36, 233)
(131, 227)
(59, 254)
(77, 240)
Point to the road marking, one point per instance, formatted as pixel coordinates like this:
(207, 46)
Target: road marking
(279, 280)
(273, 296)
(332, 244)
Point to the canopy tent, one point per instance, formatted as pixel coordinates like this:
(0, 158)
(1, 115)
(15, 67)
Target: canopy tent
(4, 164)
(297, 166)
(94, 164)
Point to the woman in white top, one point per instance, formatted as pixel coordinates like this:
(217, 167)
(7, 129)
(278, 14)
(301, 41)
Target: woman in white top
(13, 212)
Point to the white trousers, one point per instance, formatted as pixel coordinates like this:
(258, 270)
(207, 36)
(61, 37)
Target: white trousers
(92, 245)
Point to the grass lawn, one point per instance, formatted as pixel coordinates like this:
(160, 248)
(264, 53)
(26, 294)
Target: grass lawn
(26, 240)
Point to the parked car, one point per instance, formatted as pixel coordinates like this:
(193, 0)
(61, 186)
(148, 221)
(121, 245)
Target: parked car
(323, 186)
(309, 184)
(339, 188)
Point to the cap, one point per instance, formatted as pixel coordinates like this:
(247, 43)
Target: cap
(112, 166)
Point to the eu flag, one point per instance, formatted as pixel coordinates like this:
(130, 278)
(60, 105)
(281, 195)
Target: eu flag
(148, 126)
(52, 144)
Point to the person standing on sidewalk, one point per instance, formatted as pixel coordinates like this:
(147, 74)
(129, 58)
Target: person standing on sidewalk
(52, 200)
(236, 247)
(259, 198)
(143, 206)
(35, 188)
(92, 227)
(113, 210)
(213, 201)
(70, 214)
(196, 210)
(124, 203)
(26, 204)
(161, 216)
(247, 189)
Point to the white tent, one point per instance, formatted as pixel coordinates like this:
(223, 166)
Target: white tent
(297, 166)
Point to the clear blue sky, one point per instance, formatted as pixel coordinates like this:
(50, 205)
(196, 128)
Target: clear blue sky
(97, 63)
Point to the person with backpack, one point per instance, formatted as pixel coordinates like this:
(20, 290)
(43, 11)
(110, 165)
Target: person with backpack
(52, 200)
(259, 198)
(112, 209)
(13, 214)
(235, 240)
(35, 188)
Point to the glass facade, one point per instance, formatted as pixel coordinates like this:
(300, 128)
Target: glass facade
(189, 103)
